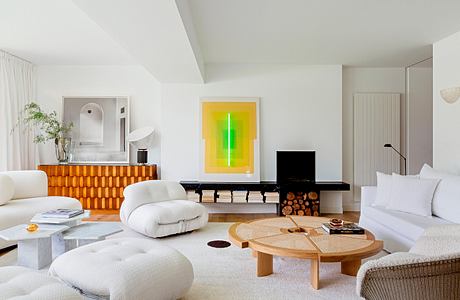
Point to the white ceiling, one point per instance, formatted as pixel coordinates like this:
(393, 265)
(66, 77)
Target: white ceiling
(154, 32)
(350, 32)
(56, 32)
(174, 39)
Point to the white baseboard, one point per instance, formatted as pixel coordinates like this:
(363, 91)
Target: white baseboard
(356, 206)
(331, 209)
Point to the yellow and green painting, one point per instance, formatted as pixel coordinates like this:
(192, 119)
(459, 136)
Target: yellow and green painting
(229, 131)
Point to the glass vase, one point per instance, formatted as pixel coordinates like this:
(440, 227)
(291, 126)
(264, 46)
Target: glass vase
(62, 148)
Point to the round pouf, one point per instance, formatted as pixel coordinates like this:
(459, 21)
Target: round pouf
(127, 268)
(23, 283)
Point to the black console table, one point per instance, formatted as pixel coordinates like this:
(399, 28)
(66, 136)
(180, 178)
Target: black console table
(294, 198)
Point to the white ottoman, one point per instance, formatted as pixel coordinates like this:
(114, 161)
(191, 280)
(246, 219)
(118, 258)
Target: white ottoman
(22, 283)
(158, 208)
(127, 268)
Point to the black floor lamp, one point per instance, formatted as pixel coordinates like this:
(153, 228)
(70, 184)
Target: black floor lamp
(405, 161)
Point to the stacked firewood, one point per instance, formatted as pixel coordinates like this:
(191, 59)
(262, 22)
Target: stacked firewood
(300, 203)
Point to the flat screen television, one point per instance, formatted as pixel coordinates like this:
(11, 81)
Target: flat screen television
(295, 166)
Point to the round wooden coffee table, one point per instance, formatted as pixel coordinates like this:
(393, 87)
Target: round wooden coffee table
(303, 237)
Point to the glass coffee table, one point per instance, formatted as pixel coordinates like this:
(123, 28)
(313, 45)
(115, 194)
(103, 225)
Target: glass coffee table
(303, 237)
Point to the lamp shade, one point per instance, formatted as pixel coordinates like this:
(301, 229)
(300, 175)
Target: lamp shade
(141, 138)
(450, 95)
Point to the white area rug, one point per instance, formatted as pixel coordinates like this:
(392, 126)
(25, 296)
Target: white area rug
(230, 273)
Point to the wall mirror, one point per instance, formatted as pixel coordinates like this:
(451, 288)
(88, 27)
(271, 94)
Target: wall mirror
(100, 128)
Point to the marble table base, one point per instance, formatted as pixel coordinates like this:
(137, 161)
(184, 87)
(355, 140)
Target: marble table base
(61, 246)
(34, 253)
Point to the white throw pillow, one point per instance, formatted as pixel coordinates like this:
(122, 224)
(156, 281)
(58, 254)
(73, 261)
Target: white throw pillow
(412, 195)
(6, 188)
(383, 195)
(446, 200)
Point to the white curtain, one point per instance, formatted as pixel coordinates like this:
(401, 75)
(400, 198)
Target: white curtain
(17, 88)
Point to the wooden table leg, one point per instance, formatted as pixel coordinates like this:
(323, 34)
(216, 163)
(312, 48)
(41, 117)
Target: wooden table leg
(314, 273)
(264, 264)
(350, 267)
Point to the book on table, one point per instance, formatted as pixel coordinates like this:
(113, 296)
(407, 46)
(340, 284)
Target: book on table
(346, 228)
(62, 213)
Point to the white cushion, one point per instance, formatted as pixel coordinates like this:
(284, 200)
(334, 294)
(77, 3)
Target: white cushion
(168, 217)
(446, 200)
(407, 225)
(383, 190)
(22, 283)
(28, 184)
(439, 240)
(21, 211)
(412, 195)
(6, 188)
(127, 268)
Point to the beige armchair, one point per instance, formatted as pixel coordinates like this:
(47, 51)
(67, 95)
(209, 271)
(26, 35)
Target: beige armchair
(430, 270)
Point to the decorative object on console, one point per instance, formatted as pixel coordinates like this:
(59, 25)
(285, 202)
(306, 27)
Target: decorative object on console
(96, 186)
(101, 126)
(229, 139)
(141, 139)
(450, 95)
(50, 129)
(402, 156)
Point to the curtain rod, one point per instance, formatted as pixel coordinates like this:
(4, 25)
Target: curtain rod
(16, 56)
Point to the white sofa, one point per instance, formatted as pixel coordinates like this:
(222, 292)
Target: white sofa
(26, 194)
(398, 230)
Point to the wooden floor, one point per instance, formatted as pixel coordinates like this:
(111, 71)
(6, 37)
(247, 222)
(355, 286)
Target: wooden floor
(108, 216)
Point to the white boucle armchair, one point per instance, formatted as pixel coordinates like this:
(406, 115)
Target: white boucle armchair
(158, 208)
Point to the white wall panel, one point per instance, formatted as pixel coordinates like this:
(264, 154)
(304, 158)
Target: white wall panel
(377, 121)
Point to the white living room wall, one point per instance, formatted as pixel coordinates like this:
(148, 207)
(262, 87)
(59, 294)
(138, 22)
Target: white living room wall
(446, 117)
(364, 80)
(300, 108)
(54, 82)
(419, 117)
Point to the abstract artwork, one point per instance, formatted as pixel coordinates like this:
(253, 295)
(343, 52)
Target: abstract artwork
(229, 139)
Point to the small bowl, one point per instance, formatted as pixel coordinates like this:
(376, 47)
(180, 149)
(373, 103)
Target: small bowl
(336, 222)
(32, 227)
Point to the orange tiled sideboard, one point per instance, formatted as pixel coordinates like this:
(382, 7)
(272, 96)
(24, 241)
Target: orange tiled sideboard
(96, 186)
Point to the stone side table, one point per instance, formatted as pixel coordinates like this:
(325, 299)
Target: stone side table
(34, 248)
(58, 244)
